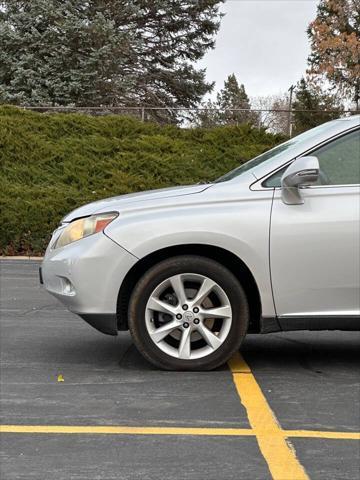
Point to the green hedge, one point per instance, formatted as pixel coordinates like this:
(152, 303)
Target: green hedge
(52, 163)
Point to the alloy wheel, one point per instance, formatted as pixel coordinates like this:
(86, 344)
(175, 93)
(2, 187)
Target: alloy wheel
(188, 316)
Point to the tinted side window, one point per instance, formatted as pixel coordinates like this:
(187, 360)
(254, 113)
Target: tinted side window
(275, 180)
(340, 160)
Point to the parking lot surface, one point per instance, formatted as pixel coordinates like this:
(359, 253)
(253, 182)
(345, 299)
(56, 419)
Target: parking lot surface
(76, 404)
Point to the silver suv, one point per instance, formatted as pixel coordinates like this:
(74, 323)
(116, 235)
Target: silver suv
(273, 245)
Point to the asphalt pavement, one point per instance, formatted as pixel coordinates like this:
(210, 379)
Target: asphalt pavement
(57, 373)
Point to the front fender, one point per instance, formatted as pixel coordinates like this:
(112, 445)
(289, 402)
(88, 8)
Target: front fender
(240, 227)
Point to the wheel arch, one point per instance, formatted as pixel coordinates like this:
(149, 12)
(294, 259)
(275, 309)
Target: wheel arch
(226, 258)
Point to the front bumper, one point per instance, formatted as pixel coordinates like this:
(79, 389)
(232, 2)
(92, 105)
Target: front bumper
(86, 276)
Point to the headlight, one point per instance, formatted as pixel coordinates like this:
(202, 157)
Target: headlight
(83, 227)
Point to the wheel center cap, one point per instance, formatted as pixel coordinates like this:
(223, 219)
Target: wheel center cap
(189, 316)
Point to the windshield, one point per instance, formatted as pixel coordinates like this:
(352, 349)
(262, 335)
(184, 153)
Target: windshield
(275, 152)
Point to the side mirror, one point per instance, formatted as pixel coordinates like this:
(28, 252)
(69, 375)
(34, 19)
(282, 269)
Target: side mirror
(303, 171)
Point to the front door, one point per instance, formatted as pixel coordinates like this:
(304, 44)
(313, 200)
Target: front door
(315, 247)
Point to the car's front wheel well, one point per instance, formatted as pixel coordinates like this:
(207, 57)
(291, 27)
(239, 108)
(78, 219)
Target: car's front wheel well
(226, 258)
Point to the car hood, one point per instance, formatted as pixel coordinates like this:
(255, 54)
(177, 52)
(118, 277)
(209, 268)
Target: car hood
(121, 201)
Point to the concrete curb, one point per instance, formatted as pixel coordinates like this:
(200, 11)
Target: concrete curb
(20, 257)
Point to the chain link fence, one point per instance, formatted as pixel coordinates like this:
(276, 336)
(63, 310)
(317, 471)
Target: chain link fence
(274, 120)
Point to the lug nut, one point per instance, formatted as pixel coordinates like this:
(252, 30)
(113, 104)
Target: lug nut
(196, 310)
(196, 321)
(185, 307)
(179, 316)
(185, 325)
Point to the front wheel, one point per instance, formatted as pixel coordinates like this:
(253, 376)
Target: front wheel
(188, 313)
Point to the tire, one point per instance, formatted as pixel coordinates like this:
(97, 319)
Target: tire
(223, 312)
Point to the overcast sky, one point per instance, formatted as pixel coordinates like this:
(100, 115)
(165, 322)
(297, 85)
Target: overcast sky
(263, 42)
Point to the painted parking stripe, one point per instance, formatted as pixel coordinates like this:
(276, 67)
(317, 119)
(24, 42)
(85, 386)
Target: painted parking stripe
(274, 446)
(123, 430)
(322, 434)
(126, 430)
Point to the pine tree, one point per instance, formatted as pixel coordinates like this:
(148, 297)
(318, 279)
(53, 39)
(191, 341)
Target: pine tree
(232, 98)
(310, 107)
(105, 52)
(231, 107)
(207, 116)
(335, 45)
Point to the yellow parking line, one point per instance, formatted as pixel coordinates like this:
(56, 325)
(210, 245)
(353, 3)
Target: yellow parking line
(121, 430)
(277, 451)
(200, 431)
(322, 434)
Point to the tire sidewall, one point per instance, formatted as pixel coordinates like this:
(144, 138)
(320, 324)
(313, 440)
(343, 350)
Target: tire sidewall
(188, 264)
